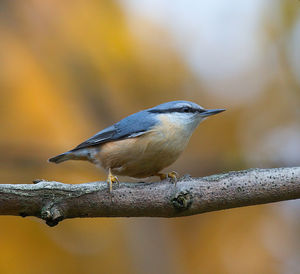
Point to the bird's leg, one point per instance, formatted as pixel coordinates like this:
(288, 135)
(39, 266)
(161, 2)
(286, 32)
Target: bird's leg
(111, 179)
(173, 175)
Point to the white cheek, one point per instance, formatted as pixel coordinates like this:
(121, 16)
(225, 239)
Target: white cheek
(188, 122)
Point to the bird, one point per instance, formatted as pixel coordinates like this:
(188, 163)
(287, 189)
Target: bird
(142, 144)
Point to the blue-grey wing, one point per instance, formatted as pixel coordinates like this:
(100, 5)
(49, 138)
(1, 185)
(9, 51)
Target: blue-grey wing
(132, 126)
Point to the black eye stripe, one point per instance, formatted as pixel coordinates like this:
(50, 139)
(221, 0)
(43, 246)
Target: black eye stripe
(188, 109)
(185, 109)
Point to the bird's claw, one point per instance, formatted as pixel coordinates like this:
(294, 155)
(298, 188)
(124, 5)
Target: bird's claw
(173, 176)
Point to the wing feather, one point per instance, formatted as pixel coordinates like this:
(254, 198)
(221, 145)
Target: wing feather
(100, 137)
(132, 126)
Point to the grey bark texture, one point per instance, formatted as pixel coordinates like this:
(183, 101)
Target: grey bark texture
(54, 201)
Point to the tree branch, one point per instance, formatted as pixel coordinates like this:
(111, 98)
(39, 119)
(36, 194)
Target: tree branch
(53, 201)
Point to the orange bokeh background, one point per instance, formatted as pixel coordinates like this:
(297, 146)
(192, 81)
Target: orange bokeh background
(70, 68)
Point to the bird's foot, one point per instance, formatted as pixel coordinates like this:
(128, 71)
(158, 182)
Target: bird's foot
(173, 176)
(112, 179)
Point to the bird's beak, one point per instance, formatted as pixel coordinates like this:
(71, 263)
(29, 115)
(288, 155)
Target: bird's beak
(209, 112)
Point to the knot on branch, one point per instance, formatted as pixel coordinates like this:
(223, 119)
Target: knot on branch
(182, 200)
(52, 214)
(37, 181)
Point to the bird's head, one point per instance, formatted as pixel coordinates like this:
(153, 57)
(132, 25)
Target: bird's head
(185, 113)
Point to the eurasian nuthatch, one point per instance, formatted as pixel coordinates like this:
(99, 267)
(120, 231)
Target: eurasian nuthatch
(142, 144)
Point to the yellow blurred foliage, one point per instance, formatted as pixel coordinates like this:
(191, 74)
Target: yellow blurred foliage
(70, 68)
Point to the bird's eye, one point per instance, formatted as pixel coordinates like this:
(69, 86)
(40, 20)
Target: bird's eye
(186, 109)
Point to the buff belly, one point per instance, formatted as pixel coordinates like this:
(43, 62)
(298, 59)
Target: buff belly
(142, 156)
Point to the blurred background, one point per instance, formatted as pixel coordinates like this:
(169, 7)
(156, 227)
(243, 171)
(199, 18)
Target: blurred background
(70, 68)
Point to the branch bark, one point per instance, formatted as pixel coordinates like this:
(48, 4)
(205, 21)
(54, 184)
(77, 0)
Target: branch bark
(54, 201)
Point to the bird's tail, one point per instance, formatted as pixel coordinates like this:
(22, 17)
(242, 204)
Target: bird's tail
(61, 158)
